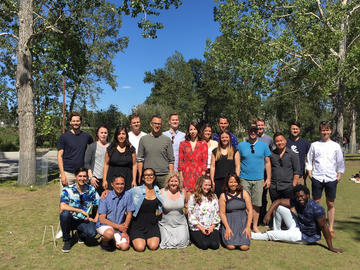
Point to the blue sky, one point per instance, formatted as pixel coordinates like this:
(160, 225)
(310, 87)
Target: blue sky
(185, 30)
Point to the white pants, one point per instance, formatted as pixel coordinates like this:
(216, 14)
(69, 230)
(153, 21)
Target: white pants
(292, 234)
(117, 235)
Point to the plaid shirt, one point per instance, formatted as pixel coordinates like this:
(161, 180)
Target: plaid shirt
(71, 196)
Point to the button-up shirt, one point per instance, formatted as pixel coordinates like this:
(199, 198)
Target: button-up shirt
(115, 207)
(85, 201)
(325, 160)
(176, 138)
(283, 169)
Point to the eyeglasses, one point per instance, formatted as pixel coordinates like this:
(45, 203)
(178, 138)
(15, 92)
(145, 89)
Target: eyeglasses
(156, 124)
(252, 148)
(172, 139)
(149, 175)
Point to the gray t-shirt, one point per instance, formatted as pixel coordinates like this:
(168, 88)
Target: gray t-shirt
(267, 139)
(156, 153)
(98, 171)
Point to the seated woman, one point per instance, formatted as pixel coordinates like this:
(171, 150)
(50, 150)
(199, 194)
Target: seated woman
(144, 229)
(236, 214)
(173, 225)
(203, 215)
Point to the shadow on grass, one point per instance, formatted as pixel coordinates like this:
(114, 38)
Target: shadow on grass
(352, 225)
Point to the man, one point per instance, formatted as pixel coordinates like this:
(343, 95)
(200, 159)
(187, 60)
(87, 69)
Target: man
(254, 156)
(156, 152)
(299, 146)
(176, 136)
(285, 170)
(223, 124)
(135, 134)
(325, 165)
(115, 213)
(302, 229)
(71, 150)
(260, 122)
(76, 202)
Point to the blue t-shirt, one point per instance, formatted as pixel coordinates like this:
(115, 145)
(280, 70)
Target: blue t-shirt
(115, 207)
(234, 140)
(300, 147)
(307, 217)
(74, 146)
(252, 164)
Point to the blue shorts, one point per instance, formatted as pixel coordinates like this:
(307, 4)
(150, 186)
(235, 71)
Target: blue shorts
(317, 188)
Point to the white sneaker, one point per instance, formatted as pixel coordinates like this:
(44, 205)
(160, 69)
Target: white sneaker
(59, 235)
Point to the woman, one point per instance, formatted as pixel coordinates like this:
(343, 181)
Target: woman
(224, 160)
(206, 135)
(203, 215)
(95, 158)
(236, 214)
(173, 225)
(120, 159)
(192, 158)
(144, 229)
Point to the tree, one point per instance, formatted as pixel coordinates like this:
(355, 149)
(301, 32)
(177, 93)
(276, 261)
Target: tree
(322, 36)
(34, 20)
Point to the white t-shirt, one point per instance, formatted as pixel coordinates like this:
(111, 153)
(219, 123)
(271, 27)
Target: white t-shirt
(134, 140)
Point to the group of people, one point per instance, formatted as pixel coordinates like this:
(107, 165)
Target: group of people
(170, 189)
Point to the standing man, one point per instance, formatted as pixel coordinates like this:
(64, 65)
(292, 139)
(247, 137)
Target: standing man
(76, 202)
(254, 156)
(223, 124)
(299, 146)
(71, 150)
(285, 170)
(325, 165)
(115, 213)
(135, 134)
(176, 136)
(260, 122)
(156, 152)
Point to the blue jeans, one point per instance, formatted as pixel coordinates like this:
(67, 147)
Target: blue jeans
(85, 229)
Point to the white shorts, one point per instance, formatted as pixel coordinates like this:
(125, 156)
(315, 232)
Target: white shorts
(117, 235)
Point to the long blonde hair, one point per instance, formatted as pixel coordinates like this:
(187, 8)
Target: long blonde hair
(230, 148)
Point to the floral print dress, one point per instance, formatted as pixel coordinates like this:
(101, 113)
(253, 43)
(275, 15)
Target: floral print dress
(204, 214)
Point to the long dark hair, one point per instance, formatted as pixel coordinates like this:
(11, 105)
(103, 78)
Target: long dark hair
(187, 136)
(226, 183)
(115, 141)
(206, 125)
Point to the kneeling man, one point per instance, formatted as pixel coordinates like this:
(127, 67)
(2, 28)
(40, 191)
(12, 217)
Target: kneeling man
(303, 228)
(115, 213)
(76, 202)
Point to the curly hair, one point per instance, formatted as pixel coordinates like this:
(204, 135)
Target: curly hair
(198, 192)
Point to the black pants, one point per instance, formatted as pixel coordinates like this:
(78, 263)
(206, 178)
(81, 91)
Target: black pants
(282, 194)
(203, 241)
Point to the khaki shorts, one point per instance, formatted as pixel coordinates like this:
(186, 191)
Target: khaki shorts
(255, 190)
(70, 178)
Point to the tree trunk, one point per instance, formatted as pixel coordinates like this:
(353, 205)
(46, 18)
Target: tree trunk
(24, 83)
(352, 143)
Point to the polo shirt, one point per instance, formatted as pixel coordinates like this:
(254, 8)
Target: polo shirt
(115, 207)
(300, 147)
(283, 169)
(71, 196)
(307, 218)
(74, 146)
(252, 164)
(234, 140)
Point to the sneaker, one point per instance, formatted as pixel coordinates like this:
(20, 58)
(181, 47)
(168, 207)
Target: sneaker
(81, 241)
(67, 246)
(59, 235)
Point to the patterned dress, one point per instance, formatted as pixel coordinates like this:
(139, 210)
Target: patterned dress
(192, 163)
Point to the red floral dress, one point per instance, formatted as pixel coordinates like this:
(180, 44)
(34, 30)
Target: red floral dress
(192, 163)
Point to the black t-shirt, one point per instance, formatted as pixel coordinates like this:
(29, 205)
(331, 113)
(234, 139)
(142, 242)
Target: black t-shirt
(224, 166)
(74, 146)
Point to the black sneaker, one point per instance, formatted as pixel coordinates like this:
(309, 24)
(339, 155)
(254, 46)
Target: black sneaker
(67, 246)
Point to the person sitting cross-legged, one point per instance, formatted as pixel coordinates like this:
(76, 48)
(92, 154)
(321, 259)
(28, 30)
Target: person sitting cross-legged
(115, 213)
(76, 203)
(303, 228)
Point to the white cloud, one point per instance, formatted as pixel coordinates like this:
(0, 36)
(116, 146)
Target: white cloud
(126, 87)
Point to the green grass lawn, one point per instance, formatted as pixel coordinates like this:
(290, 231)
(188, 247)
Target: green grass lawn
(23, 214)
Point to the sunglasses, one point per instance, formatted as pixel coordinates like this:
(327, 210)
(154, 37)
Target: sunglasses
(252, 148)
(172, 139)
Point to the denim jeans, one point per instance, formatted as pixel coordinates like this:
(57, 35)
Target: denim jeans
(85, 229)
